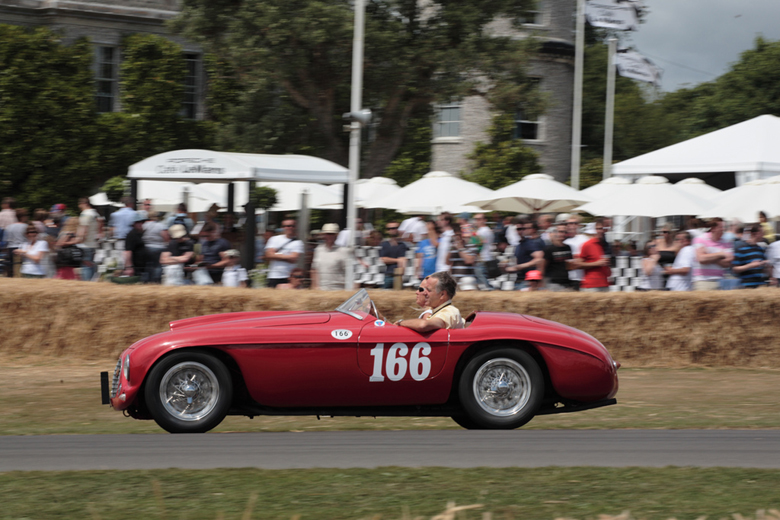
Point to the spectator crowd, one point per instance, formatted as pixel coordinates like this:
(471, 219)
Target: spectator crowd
(481, 252)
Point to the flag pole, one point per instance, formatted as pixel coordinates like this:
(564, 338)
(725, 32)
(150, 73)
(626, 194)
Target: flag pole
(610, 116)
(576, 123)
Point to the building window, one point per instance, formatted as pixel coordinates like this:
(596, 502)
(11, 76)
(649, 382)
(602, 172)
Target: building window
(447, 121)
(106, 78)
(533, 16)
(527, 120)
(527, 126)
(189, 109)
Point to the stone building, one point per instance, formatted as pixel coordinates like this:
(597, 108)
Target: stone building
(105, 23)
(458, 128)
(460, 125)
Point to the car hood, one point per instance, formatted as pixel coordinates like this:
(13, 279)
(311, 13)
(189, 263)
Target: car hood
(252, 319)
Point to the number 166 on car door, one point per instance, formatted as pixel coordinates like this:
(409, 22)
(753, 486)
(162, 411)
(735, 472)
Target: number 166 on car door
(400, 359)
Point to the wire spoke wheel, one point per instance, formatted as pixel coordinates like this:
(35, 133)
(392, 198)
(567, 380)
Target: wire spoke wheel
(502, 387)
(499, 388)
(189, 391)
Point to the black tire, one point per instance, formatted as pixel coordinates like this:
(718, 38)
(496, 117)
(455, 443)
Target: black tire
(197, 407)
(501, 388)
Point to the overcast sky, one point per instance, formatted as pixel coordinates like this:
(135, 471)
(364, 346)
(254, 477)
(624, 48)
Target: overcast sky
(694, 41)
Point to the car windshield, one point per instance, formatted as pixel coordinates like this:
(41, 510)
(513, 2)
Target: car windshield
(358, 305)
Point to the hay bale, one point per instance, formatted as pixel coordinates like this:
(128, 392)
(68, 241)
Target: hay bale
(99, 320)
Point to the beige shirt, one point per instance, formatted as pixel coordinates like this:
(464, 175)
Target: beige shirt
(449, 314)
(331, 265)
(89, 219)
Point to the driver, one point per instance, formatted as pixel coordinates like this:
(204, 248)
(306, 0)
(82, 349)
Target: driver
(439, 289)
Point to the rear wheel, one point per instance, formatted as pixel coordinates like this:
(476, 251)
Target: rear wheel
(500, 388)
(188, 392)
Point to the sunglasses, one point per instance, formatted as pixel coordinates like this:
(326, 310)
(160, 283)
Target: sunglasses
(289, 225)
(297, 276)
(392, 228)
(421, 289)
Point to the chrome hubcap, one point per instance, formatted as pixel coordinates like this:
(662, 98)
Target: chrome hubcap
(502, 387)
(189, 391)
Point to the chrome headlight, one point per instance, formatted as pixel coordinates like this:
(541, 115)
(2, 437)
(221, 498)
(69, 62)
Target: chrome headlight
(126, 368)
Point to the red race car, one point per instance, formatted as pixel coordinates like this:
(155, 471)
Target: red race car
(498, 372)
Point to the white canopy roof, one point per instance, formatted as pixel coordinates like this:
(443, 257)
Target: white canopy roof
(210, 166)
(606, 188)
(432, 194)
(698, 187)
(744, 202)
(532, 194)
(650, 196)
(367, 190)
(749, 149)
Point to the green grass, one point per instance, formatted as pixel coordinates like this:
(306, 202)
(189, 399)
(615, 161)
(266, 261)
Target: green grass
(391, 493)
(51, 398)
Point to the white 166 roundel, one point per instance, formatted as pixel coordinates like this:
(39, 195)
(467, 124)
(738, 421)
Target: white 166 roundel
(395, 365)
(341, 333)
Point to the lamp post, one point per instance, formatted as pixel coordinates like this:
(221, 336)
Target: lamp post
(357, 118)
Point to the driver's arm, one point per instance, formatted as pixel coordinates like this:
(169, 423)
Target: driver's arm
(422, 325)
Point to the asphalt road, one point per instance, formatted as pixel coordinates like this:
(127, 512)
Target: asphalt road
(370, 449)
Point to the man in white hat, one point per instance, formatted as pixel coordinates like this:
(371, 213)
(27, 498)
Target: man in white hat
(329, 266)
(234, 275)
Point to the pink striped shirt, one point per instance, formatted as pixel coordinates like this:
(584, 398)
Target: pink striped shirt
(709, 272)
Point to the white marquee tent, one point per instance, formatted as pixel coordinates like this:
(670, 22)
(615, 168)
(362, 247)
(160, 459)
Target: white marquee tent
(748, 150)
(210, 166)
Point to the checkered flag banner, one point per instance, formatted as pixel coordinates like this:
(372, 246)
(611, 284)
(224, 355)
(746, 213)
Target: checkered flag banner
(631, 64)
(621, 15)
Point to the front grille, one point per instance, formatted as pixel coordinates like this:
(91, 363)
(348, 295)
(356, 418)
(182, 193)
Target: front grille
(115, 382)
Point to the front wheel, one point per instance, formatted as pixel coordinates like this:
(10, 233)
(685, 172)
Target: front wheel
(188, 392)
(500, 389)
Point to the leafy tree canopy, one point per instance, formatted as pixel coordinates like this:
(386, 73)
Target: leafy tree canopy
(504, 160)
(749, 89)
(292, 60)
(152, 89)
(263, 197)
(47, 118)
(114, 188)
(55, 146)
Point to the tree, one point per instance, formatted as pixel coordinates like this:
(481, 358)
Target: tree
(263, 197)
(504, 160)
(413, 159)
(152, 89)
(114, 188)
(294, 62)
(48, 148)
(55, 146)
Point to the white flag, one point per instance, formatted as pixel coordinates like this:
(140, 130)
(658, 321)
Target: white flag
(631, 64)
(622, 15)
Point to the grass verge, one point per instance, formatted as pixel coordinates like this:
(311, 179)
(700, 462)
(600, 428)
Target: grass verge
(40, 396)
(393, 493)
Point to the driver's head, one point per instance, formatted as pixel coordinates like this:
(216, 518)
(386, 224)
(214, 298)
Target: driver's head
(439, 287)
